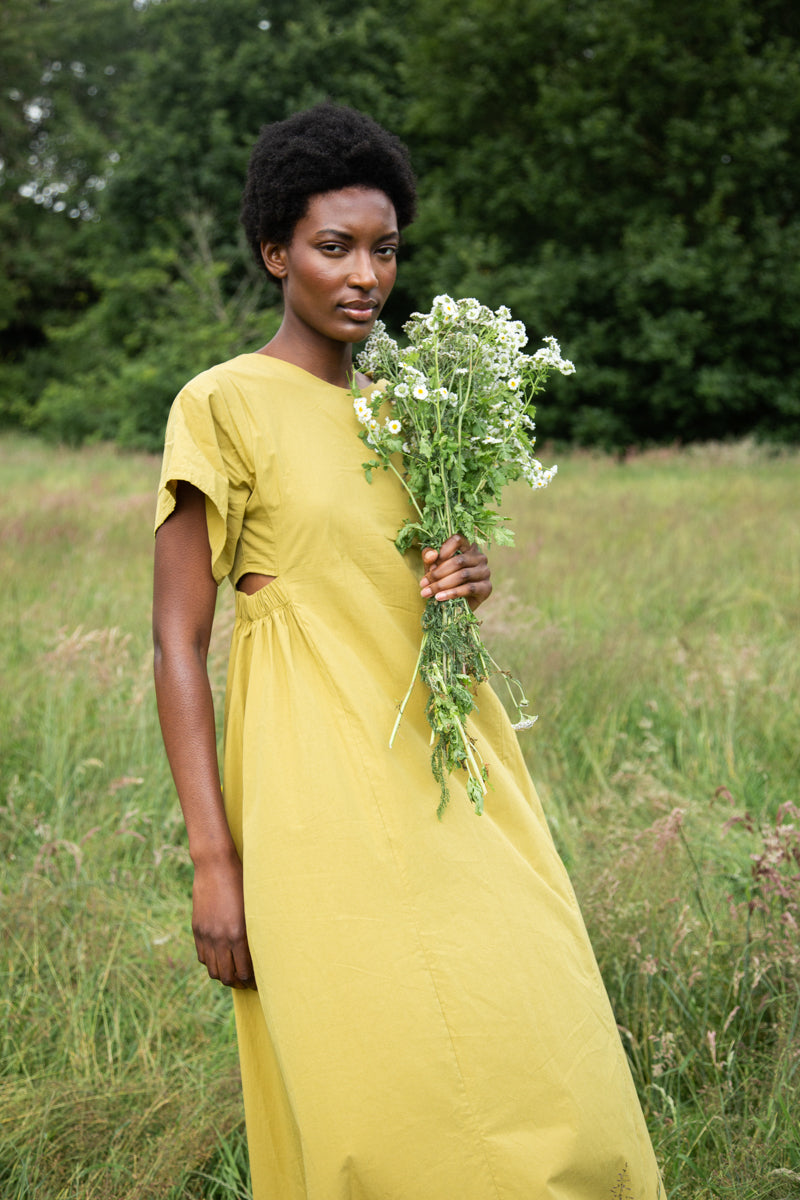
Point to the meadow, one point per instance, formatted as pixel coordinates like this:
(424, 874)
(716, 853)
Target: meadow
(652, 608)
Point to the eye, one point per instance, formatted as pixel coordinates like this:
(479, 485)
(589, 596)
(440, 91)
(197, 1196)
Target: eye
(332, 248)
(386, 252)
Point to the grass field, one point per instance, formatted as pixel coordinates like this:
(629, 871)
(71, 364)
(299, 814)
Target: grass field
(652, 607)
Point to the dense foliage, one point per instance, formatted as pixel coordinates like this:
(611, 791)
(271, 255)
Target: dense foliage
(619, 172)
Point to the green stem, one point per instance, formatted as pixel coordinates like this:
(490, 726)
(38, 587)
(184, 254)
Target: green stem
(410, 690)
(473, 768)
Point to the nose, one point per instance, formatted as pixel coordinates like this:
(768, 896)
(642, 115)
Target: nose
(362, 271)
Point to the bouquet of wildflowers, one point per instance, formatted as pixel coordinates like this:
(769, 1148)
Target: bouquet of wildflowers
(454, 422)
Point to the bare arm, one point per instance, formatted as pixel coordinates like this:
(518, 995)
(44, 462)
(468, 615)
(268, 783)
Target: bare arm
(184, 597)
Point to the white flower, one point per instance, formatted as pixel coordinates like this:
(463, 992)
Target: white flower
(393, 426)
(420, 392)
(550, 356)
(362, 410)
(513, 383)
(445, 307)
(525, 723)
(401, 390)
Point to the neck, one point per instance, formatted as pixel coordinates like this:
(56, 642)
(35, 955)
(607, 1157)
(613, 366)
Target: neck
(329, 361)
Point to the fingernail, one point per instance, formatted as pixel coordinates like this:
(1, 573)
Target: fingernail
(426, 591)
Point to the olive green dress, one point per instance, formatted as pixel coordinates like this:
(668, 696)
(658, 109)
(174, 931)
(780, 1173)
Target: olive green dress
(430, 1022)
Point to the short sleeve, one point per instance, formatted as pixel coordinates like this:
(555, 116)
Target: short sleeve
(206, 446)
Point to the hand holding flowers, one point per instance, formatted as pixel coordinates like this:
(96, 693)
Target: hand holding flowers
(459, 429)
(456, 569)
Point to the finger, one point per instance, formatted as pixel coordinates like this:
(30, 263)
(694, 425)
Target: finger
(217, 964)
(200, 947)
(463, 568)
(468, 588)
(243, 965)
(454, 544)
(431, 555)
(226, 968)
(468, 557)
(206, 954)
(461, 573)
(429, 558)
(473, 593)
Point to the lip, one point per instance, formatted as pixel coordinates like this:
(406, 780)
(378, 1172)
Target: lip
(360, 310)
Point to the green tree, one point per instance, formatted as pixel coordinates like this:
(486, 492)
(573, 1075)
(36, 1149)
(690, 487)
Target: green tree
(172, 285)
(628, 182)
(60, 62)
(619, 172)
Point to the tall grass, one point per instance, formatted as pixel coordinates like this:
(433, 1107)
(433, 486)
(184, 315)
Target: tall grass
(651, 607)
(659, 601)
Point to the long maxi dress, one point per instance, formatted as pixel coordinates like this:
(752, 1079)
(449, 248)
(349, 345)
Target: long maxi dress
(430, 1022)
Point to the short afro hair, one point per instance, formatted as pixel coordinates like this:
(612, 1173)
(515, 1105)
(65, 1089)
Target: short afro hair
(322, 149)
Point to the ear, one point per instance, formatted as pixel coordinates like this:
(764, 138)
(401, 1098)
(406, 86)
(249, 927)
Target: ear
(274, 256)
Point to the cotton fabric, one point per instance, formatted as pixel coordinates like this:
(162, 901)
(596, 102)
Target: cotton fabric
(430, 1022)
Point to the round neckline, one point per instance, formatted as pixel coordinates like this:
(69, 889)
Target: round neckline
(283, 362)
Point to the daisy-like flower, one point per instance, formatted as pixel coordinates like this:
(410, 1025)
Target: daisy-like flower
(514, 383)
(445, 307)
(420, 392)
(550, 356)
(362, 410)
(393, 426)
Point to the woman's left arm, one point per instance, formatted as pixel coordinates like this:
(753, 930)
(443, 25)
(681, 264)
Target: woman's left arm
(456, 569)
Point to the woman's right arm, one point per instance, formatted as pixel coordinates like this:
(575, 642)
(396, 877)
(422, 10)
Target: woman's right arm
(184, 597)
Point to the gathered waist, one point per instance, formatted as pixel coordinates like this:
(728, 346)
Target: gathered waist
(261, 603)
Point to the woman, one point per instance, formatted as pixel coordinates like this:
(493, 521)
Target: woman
(419, 1013)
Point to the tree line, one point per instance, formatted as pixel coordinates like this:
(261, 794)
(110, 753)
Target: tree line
(622, 174)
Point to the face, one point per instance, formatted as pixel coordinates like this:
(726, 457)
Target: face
(340, 265)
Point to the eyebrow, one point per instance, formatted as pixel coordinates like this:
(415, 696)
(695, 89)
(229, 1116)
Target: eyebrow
(349, 237)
